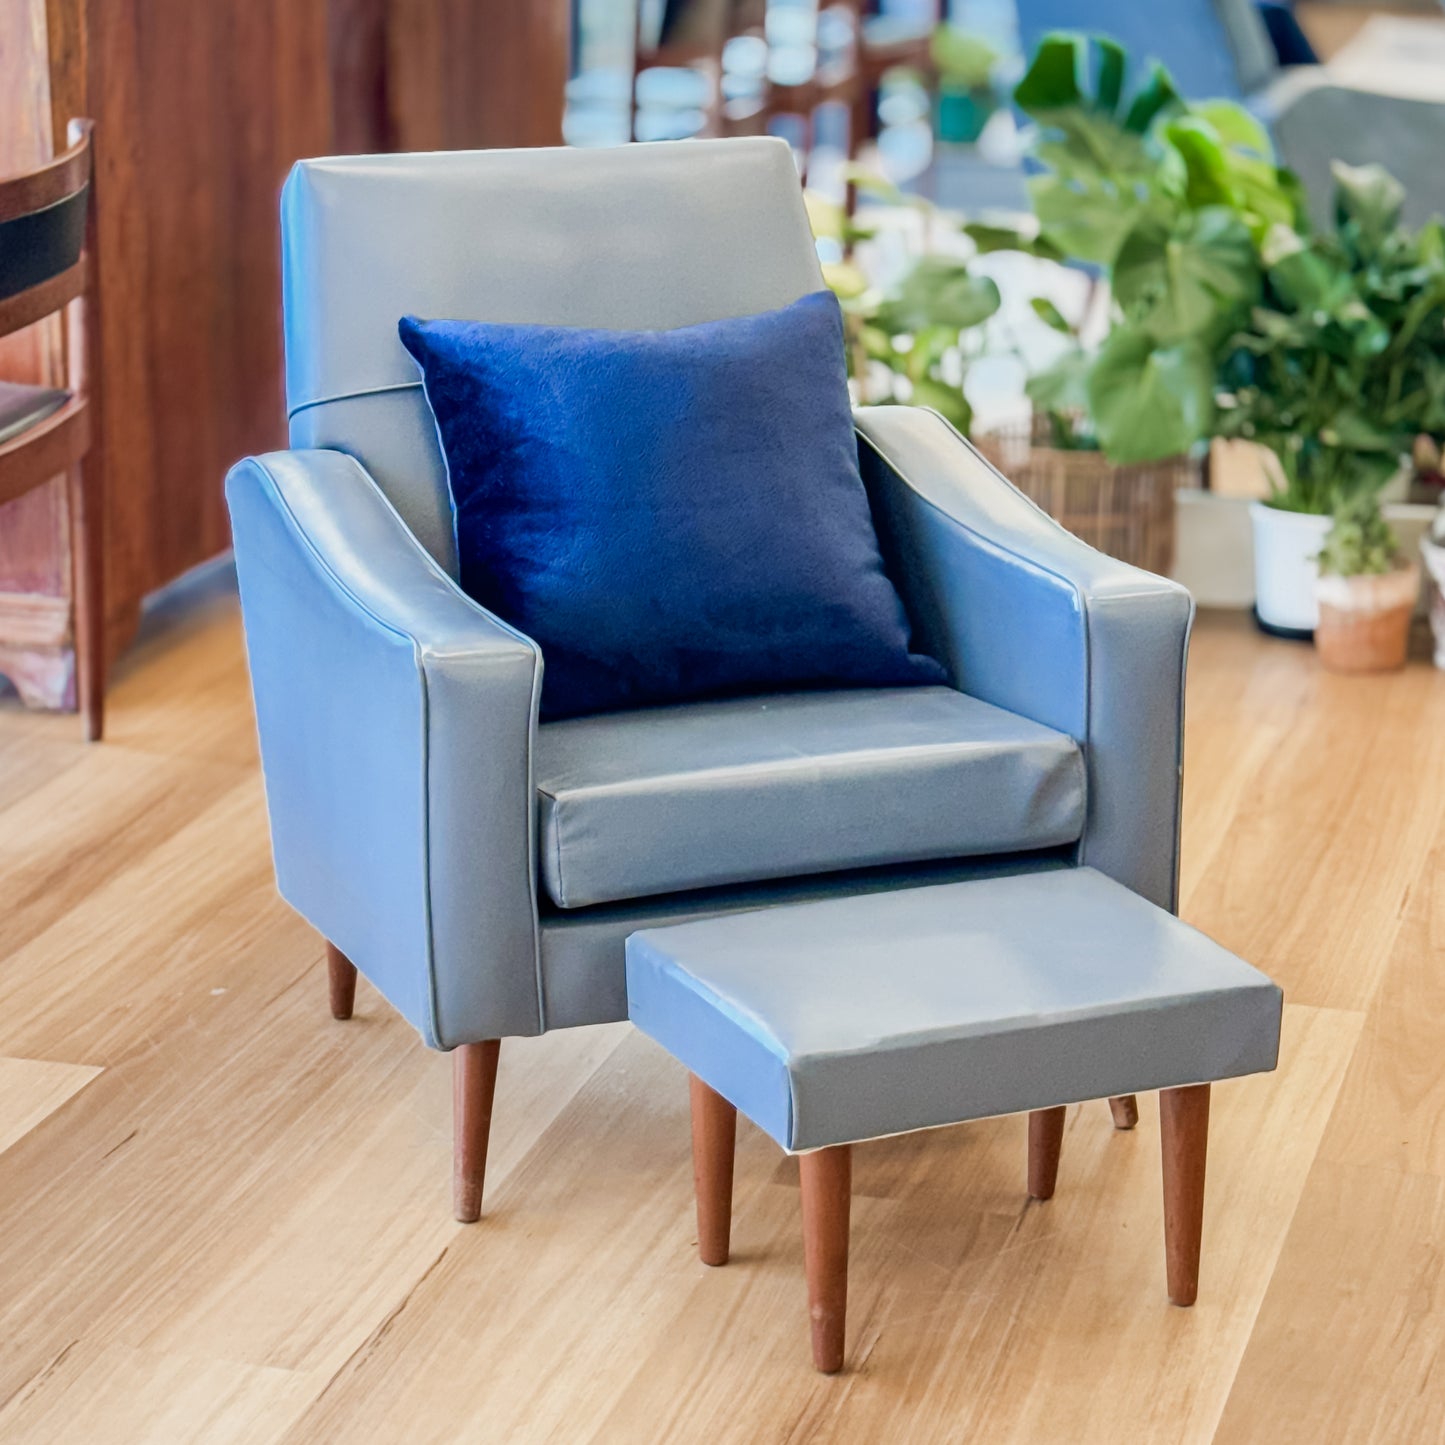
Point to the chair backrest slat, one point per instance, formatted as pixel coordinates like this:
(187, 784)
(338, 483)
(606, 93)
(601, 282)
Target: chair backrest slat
(47, 185)
(27, 307)
(42, 228)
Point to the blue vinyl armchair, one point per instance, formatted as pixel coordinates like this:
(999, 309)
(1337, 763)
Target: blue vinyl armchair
(482, 869)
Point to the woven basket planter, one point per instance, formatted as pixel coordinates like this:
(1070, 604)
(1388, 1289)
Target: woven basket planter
(1127, 512)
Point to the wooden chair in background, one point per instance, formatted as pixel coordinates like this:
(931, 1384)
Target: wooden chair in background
(46, 245)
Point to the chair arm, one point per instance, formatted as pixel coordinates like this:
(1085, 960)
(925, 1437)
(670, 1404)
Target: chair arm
(1027, 617)
(396, 720)
(1315, 120)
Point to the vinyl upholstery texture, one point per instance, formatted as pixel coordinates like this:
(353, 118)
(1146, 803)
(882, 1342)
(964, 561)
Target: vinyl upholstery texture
(398, 719)
(666, 799)
(832, 1022)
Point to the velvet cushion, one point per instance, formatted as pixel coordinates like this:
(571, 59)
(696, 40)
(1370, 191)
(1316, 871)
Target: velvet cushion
(671, 515)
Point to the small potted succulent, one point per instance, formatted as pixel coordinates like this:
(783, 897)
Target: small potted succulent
(1366, 592)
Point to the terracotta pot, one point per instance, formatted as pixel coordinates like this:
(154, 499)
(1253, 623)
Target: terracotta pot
(1364, 622)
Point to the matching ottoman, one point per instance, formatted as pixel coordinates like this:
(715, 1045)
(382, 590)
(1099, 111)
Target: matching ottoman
(834, 1022)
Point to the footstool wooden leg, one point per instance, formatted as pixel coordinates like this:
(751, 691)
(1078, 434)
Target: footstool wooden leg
(1184, 1127)
(714, 1142)
(827, 1179)
(341, 976)
(1125, 1110)
(1046, 1137)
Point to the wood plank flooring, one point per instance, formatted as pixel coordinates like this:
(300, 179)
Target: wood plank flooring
(224, 1216)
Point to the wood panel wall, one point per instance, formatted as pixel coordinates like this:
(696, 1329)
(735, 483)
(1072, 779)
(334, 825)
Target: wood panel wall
(200, 110)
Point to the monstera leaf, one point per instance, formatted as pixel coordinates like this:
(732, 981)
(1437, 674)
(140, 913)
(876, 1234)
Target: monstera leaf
(1063, 388)
(939, 291)
(1149, 401)
(1082, 219)
(1224, 159)
(948, 401)
(988, 238)
(1055, 89)
(1187, 281)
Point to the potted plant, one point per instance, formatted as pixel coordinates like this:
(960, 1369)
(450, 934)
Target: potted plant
(1365, 590)
(964, 64)
(1339, 366)
(1160, 202)
(910, 336)
(1164, 202)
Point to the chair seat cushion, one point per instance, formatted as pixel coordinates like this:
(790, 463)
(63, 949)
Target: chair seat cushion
(661, 800)
(670, 515)
(22, 407)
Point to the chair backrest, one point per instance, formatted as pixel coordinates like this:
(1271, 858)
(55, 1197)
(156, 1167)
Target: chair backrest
(1214, 49)
(644, 236)
(42, 233)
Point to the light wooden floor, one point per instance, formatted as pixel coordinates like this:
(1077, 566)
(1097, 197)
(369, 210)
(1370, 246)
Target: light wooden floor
(223, 1217)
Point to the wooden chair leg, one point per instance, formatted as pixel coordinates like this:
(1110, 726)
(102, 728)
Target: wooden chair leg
(1125, 1110)
(827, 1184)
(474, 1086)
(714, 1146)
(1046, 1137)
(1184, 1127)
(87, 564)
(341, 976)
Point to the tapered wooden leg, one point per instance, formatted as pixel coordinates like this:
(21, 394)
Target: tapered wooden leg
(87, 554)
(1046, 1137)
(341, 975)
(714, 1145)
(1184, 1128)
(1125, 1110)
(827, 1179)
(474, 1086)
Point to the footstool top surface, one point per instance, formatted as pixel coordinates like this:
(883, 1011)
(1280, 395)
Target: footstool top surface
(848, 1019)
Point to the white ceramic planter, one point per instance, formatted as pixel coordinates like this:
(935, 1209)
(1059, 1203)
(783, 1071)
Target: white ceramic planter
(1286, 545)
(1434, 556)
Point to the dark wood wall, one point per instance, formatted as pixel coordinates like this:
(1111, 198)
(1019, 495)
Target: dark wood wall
(201, 106)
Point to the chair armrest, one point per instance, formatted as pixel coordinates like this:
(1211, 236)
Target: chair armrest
(1315, 119)
(396, 720)
(1026, 616)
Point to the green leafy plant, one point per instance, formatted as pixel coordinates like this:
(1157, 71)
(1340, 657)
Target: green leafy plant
(1170, 202)
(910, 341)
(1341, 363)
(1360, 542)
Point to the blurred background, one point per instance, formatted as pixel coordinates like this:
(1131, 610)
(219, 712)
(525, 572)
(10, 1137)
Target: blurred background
(936, 148)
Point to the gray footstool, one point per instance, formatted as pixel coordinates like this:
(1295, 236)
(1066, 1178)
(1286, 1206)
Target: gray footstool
(834, 1022)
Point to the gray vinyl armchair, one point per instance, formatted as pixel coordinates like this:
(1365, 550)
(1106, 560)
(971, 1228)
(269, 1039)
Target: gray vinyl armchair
(483, 870)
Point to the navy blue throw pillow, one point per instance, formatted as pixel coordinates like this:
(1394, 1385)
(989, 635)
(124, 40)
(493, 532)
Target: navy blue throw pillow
(670, 515)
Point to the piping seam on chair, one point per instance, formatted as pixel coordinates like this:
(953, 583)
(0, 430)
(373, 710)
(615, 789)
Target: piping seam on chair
(295, 411)
(556, 856)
